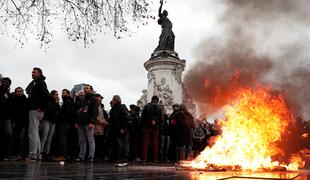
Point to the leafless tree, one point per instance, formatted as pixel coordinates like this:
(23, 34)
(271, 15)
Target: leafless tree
(80, 19)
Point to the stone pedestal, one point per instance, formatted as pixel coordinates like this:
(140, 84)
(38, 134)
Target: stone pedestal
(165, 78)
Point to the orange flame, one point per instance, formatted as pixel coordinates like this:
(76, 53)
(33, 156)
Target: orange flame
(305, 135)
(254, 123)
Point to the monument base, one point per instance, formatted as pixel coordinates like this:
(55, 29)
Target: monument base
(165, 78)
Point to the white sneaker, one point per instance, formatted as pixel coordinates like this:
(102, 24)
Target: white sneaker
(121, 164)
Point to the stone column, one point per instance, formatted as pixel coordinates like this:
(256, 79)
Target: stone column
(165, 78)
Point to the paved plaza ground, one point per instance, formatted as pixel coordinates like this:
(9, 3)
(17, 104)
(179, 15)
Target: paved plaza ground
(96, 171)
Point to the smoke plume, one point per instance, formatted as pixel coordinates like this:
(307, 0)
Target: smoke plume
(265, 42)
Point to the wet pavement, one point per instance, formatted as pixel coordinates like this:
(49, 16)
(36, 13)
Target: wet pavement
(102, 171)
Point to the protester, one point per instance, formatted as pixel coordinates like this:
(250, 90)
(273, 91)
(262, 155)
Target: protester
(87, 116)
(6, 134)
(48, 124)
(164, 134)
(20, 121)
(198, 138)
(62, 124)
(72, 135)
(151, 118)
(173, 155)
(189, 132)
(101, 123)
(119, 116)
(133, 127)
(183, 135)
(38, 97)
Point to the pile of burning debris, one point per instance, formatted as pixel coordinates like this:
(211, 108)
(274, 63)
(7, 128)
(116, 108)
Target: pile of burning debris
(256, 121)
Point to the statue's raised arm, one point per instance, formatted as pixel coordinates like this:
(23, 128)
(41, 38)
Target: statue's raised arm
(160, 8)
(166, 39)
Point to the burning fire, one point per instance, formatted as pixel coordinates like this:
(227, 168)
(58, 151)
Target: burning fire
(254, 124)
(305, 135)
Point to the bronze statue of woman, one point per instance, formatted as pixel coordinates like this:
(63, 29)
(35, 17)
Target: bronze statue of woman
(166, 39)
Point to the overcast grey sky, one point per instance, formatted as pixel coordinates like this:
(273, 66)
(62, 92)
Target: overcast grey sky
(112, 66)
(276, 29)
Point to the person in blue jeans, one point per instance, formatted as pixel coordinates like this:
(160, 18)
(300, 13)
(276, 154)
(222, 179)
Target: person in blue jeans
(48, 124)
(87, 116)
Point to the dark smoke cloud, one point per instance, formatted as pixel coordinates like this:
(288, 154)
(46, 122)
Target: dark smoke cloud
(211, 82)
(267, 41)
(269, 11)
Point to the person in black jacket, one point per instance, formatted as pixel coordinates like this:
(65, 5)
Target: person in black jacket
(48, 124)
(62, 124)
(6, 133)
(172, 128)
(133, 127)
(188, 131)
(87, 116)
(151, 118)
(183, 133)
(119, 116)
(72, 134)
(38, 98)
(164, 136)
(19, 115)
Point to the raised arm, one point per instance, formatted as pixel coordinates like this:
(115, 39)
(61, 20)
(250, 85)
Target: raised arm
(160, 7)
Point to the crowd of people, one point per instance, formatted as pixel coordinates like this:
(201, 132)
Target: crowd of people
(40, 126)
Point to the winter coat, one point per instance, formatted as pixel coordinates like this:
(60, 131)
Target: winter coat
(151, 116)
(38, 94)
(182, 127)
(19, 111)
(66, 113)
(52, 112)
(88, 112)
(4, 104)
(119, 117)
(190, 118)
(101, 121)
(133, 124)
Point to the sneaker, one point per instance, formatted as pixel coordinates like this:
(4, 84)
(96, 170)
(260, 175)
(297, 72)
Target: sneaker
(120, 164)
(91, 160)
(30, 159)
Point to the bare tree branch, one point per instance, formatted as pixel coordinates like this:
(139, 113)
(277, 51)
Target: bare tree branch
(80, 19)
